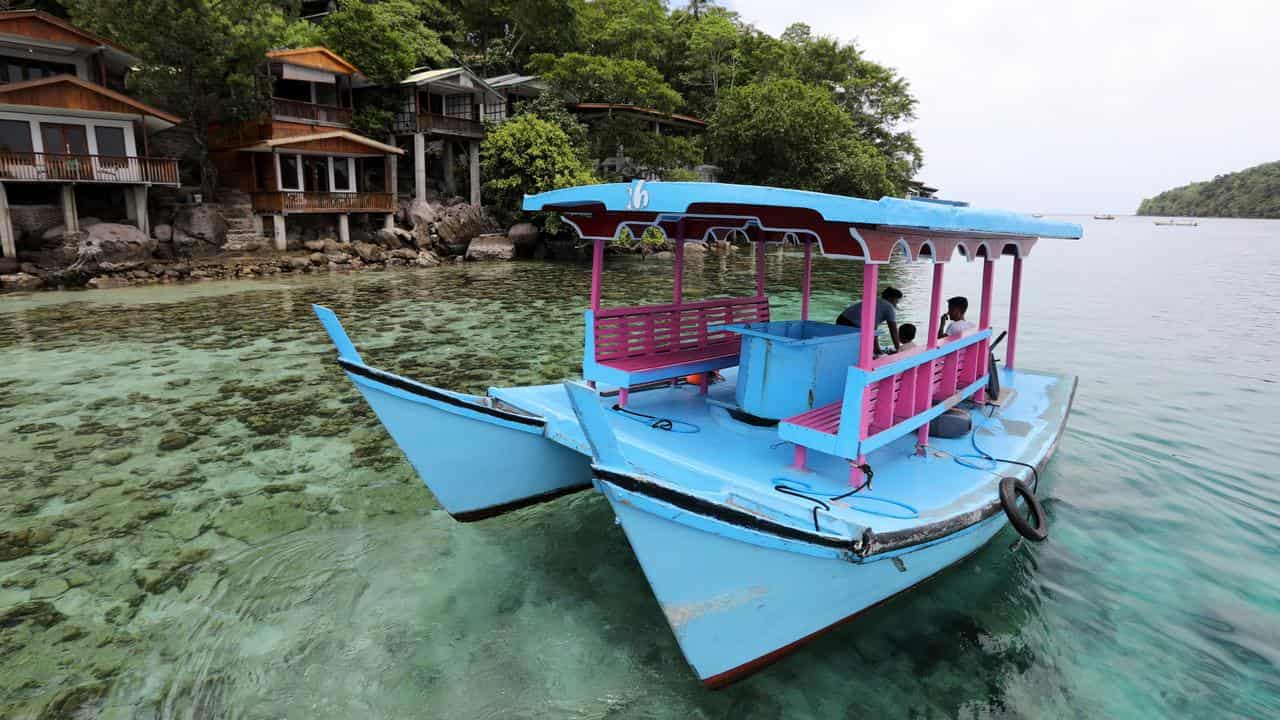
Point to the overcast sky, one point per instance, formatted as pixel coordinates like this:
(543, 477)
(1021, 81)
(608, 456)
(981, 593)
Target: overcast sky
(1081, 106)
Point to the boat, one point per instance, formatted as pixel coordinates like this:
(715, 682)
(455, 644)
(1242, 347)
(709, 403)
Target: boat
(774, 477)
(1037, 215)
(1179, 223)
(1104, 217)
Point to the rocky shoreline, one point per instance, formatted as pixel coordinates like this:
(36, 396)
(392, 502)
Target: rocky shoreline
(197, 245)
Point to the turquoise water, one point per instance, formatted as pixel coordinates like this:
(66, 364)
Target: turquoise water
(200, 518)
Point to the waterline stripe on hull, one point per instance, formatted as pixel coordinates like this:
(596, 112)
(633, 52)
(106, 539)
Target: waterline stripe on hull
(421, 390)
(495, 510)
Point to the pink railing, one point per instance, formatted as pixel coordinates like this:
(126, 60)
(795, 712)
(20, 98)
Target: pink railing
(61, 167)
(653, 330)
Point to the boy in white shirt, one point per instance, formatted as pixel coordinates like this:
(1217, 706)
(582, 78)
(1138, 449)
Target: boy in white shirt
(956, 308)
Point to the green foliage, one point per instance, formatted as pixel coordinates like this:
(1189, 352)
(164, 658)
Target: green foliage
(594, 78)
(372, 120)
(1250, 193)
(385, 39)
(651, 240)
(789, 134)
(637, 30)
(527, 154)
(550, 107)
(500, 35)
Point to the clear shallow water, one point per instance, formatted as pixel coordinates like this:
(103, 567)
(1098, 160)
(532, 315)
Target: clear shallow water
(200, 518)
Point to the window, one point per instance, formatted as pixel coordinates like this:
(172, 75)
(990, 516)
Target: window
(15, 136)
(495, 111)
(458, 106)
(341, 174)
(326, 94)
(110, 141)
(296, 90)
(289, 172)
(20, 69)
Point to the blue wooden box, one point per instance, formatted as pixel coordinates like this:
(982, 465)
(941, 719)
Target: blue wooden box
(790, 366)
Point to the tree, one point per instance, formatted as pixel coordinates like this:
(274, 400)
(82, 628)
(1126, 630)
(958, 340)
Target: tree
(202, 58)
(385, 39)
(592, 78)
(500, 35)
(790, 134)
(527, 154)
(626, 29)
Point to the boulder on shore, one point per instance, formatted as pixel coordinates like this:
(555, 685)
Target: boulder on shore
(199, 230)
(114, 242)
(368, 252)
(460, 224)
(394, 237)
(494, 246)
(20, 281)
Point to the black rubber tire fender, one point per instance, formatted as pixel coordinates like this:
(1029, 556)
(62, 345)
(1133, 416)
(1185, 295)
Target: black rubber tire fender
(1037, 528)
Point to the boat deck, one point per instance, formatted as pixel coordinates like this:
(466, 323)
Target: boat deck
(721, 459)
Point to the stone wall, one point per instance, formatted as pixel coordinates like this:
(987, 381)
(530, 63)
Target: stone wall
(33, 220)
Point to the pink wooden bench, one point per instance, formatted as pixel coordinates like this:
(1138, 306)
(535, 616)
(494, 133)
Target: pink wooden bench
(628, 346)
(899, 395)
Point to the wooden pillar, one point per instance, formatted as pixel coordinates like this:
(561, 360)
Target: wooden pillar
(1015, 298)
(70, 216)
(984, 323)
(8, 245)
(281, 240)
(597, 268)
(805, 283)
(677, 291)
(258, 225)
(924, 376)
(757, 234)
(866, 341)
(473, 169)
(420, 166)
(391, 180)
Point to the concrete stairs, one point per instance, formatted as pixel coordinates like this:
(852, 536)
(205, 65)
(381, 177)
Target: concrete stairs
(242, 226)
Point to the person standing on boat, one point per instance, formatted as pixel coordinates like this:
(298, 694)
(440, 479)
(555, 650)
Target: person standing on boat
(956, 308)
(886, 313)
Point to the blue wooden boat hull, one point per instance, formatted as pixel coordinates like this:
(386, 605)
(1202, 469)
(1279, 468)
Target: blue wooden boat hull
(736, 603)
(478, 459)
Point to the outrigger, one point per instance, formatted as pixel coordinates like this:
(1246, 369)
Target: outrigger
(747, 494)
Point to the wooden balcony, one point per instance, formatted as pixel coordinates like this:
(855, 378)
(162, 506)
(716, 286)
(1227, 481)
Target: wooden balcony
(440, 125)
(59, 167)
(288, 202)
(282, 109)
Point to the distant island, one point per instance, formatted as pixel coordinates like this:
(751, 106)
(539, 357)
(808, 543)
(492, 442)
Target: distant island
(1252, 193)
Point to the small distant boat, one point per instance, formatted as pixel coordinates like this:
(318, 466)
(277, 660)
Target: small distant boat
(1037, 214)
(1179, 223)
(736, 449)
(1104, 217)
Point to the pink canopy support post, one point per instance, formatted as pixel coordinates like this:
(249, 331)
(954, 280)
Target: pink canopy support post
(1015, 297)
(870, 279)
(804, 285)
(924, 382)
(984, 322)
(597, 267)
(758, 235)
(678, 291)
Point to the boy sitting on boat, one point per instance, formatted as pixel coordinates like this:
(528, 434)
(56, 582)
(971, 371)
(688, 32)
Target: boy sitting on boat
(956, 308)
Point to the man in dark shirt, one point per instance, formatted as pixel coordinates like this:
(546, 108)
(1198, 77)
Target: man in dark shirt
(886, 312)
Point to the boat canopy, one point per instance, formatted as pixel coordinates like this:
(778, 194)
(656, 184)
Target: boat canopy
(843, 227)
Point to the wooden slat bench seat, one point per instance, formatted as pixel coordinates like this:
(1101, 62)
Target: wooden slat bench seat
(889, 401)
(632, 345)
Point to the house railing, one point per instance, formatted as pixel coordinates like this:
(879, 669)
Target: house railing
(62, 167)
(437, 123)
(311, 112)
(309, 202)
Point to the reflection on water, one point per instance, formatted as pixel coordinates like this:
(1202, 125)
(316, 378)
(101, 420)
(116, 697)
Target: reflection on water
(200, 518)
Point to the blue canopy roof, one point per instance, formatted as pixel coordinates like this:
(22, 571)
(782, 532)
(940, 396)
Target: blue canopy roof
(676, 198)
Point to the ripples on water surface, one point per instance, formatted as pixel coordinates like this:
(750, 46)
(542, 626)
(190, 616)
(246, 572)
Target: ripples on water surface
(200, 518)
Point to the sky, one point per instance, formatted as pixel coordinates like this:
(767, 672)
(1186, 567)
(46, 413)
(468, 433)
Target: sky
(1083, 106)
